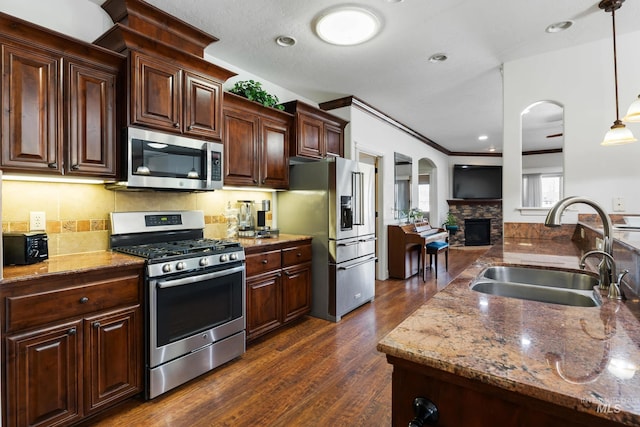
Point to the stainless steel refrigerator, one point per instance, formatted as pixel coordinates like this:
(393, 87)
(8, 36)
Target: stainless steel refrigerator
(333, 201)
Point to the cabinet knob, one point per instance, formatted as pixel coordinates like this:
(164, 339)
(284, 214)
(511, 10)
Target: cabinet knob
(71, 331)
(264, 261)
(84, 300)
(190, 127)
(176, 125)
(286, 273)
(75, 167)
(426, 412)
(53, 165)
(264, 180)
(255, 181)
(96, 325)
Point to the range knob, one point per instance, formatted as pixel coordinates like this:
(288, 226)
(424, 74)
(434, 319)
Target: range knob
(224, 258)
(204, 262)
(181, 266)
(166, 268)
(233, 256)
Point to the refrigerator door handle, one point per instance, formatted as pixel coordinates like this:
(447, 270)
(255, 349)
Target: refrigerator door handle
(352, 243)
(357, 184)
(370, 239)
(357, 264)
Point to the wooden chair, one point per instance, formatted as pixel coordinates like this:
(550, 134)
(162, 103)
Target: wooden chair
(433, 249)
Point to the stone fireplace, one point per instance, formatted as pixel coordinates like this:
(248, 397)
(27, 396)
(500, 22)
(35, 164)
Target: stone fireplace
(489, 210)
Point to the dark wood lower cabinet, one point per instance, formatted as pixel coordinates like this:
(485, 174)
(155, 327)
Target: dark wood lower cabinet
(73, 346)
(471, 403)
(278, 285)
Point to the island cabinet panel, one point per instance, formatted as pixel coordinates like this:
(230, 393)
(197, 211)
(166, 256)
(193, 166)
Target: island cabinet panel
(59, 112)
(256, 144)
(465, 402)
(317, 134)
(278, 285)
(73, 345)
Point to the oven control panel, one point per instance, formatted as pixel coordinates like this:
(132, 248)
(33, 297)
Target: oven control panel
(163, 267)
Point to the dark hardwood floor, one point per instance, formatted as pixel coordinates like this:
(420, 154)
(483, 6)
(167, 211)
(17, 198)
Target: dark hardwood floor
(313, 373)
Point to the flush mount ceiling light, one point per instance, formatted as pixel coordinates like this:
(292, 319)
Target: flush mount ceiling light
(557, 27)
(285, 41)
(347, 25)
(618, 134)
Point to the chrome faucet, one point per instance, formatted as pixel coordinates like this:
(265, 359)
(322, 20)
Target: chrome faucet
(607, 265)
(606, 270)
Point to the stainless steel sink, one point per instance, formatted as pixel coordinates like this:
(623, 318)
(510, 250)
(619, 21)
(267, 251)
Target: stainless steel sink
(574, 288)
(542, 277)
(546, 294)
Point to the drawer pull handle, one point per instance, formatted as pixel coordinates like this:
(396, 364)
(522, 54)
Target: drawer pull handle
(264, 261)
(96, 325)
(71, 331)
(84, 300)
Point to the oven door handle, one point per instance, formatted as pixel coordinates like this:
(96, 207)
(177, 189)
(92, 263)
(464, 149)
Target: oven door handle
(163, 284)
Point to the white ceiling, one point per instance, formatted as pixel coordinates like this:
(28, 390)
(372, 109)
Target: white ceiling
(451, 103)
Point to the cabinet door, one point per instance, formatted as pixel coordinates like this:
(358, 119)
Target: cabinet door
(309, 139)
(333, 141)
(240, 148)
(274, 154)
(43, 385)
(264, 299)
(91, 131)
(157, 93)
(31, 117)
(296, 291)
(112, 357)
(202, 106)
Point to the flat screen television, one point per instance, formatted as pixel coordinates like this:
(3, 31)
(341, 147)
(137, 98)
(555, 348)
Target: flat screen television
(477, 182)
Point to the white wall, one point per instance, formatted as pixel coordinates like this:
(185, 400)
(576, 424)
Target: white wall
(371, 135)
(581, 79)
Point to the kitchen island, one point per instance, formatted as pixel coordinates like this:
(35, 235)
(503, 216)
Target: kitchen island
(490, 360)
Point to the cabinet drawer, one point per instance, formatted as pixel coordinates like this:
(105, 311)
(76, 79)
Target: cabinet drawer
(260, 263)
(36, 309)
(296, 255)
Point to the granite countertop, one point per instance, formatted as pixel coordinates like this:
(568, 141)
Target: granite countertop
(65, 264)
(253, 242)
(570, 356)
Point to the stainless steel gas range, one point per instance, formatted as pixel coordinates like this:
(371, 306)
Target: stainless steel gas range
(194, 294)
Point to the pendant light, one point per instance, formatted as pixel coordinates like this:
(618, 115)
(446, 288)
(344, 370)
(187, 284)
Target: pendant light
(633, 113)
(618, 134)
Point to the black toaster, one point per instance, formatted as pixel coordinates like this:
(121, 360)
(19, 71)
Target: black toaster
(24, 248)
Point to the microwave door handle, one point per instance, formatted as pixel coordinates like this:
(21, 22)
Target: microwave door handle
(356, 185)
(209, 151)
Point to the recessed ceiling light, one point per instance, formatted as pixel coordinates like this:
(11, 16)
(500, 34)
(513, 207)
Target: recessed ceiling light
(347, 25)
(438, 57)
(559, 26)
(483, 138)
(492, 149)
(395, 1)
(285, 41)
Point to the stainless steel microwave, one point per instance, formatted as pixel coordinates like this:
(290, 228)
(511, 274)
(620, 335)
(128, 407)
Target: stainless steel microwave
(161, 161)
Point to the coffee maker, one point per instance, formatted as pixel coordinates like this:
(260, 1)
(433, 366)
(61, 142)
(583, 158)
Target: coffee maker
(245, 218)
(262, 229)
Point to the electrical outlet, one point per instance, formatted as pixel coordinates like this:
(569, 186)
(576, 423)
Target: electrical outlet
(618, 204)
(37, 221)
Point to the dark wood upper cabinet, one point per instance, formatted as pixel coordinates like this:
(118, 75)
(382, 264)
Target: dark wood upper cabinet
(168, 97)
(31, 116)
(317, 134)
(256, 144)
(59, 102)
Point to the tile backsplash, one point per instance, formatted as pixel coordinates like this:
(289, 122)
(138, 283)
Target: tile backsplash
(77, 215)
